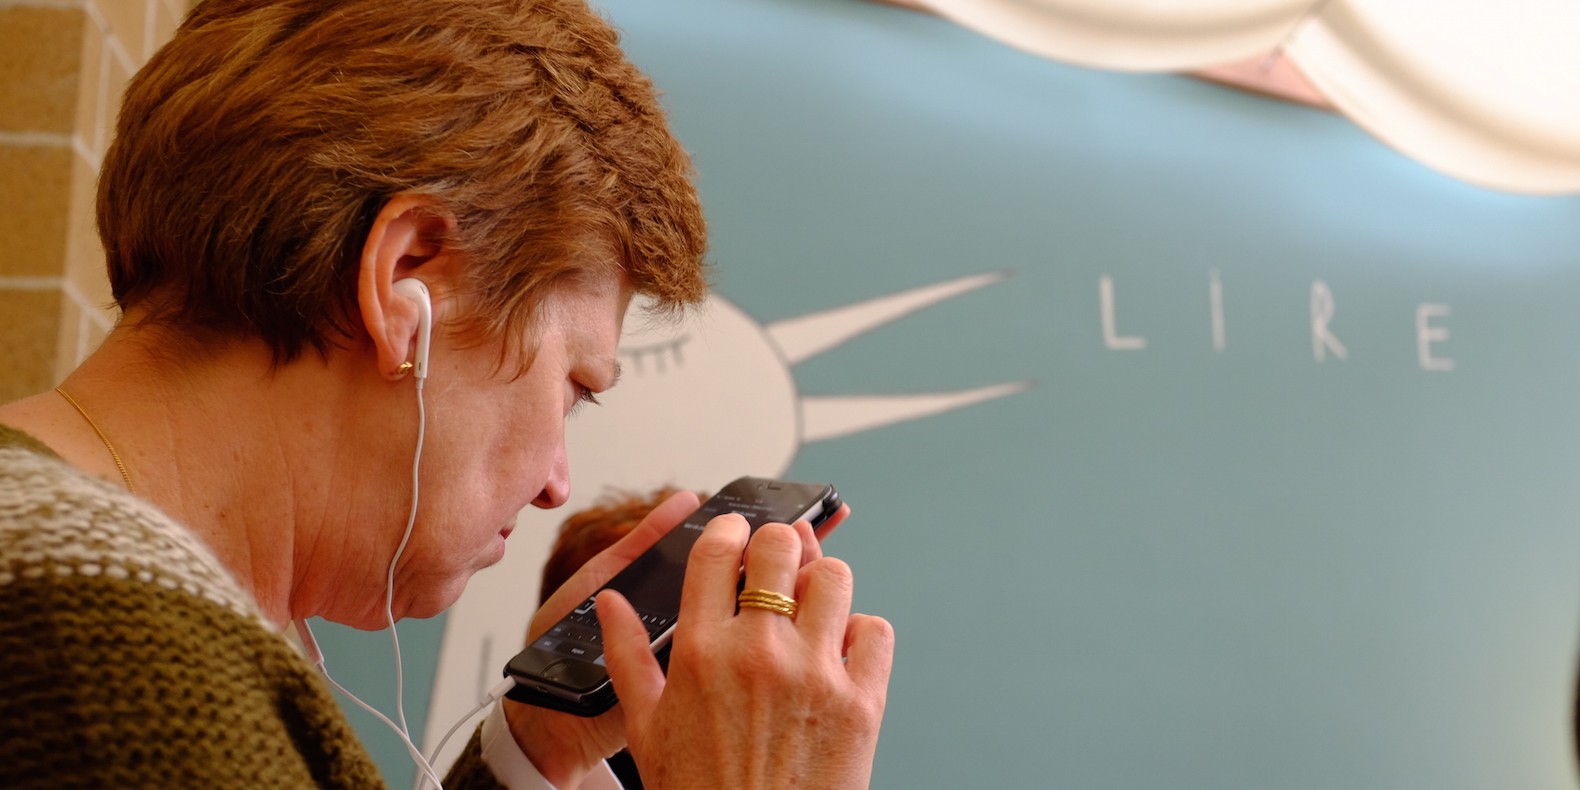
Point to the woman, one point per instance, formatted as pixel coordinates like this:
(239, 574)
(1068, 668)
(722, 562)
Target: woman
(238, 455)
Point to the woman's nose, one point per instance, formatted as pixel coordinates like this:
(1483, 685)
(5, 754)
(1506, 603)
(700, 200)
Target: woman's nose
(557, 489)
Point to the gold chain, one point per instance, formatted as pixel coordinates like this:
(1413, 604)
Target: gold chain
(113, 454)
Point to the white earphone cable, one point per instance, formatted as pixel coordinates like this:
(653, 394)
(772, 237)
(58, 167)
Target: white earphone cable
(311, 643)
(401, 729)
(389, 586)
(490, 698)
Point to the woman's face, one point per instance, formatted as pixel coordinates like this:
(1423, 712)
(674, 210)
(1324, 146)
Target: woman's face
(496, 443)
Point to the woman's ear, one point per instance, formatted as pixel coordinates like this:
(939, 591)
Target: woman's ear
(410, 234)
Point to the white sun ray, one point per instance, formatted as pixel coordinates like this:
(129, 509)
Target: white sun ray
(807, 336)
(830, 417)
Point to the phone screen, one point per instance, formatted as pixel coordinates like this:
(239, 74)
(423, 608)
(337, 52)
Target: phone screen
(564, 668)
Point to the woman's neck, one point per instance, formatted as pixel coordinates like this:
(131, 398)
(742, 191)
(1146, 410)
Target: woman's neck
(237, 450)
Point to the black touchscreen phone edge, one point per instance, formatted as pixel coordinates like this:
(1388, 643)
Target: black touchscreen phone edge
(563, 668)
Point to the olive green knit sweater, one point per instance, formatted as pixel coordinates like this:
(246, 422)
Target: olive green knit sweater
(129, 657)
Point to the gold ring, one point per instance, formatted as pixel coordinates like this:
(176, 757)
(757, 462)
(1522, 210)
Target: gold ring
(778, 603)
(403, 369)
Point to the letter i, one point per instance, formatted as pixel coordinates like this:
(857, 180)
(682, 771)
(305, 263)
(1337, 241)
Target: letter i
(1215, 294)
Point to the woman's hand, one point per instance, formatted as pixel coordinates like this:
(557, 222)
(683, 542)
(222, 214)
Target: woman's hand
(754, 699)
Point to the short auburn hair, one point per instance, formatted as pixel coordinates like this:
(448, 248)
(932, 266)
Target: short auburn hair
(254, 151)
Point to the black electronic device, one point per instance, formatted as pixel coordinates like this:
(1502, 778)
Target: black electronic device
(563, 669)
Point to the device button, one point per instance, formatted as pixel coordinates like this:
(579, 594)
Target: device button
(557, 670)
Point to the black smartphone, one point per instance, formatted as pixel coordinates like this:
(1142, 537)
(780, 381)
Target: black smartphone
(564, 668)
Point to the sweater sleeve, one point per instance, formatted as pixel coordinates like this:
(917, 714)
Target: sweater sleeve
(117, 682)
(130, 658)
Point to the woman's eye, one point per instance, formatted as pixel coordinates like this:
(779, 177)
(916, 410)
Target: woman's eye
(583, 396)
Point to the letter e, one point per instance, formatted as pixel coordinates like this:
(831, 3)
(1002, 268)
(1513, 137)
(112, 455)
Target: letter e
(1426, 335)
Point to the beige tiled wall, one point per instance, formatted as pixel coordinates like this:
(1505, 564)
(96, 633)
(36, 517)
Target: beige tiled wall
(63, 67)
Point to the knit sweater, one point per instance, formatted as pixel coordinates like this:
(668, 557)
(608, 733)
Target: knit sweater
(130, 657)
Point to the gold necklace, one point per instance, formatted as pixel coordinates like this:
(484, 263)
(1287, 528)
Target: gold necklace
(113, 454)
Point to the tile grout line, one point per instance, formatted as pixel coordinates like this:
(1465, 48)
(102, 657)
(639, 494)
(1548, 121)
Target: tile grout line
(101, 102)
(112, 41)
(36, 139)
(89, 309)
(66, 288)
(81, 148)
(82, 335)
(65, 4)
(148, 29)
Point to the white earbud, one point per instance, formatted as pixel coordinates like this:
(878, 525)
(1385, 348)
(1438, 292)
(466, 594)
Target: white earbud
(415, 290)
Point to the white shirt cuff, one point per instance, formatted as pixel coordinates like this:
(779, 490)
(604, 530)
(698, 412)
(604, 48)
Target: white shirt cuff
(512, 768)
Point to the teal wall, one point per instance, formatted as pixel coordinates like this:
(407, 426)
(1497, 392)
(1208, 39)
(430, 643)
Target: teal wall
(1176, 566)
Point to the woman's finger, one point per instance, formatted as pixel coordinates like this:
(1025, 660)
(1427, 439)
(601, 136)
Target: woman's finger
(811, 549)
(869, 652)
(772, 560)
(824, 590)
(713, 571)
(601, 568)
(638, 679)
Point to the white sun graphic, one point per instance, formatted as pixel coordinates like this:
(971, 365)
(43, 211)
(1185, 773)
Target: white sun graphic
(700, 402)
